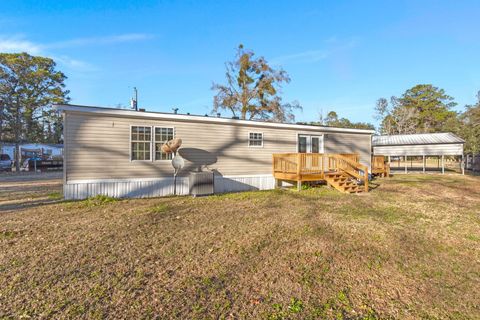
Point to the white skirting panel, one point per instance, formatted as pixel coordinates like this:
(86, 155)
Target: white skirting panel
(145, 188)
(243, 183)
(125, 188)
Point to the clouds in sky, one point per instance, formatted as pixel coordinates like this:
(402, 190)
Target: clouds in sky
(15, 44)
(301, 57)
(108, 40)
(12, 44)
(332, 45)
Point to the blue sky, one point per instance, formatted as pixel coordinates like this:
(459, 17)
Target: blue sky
(340, 55)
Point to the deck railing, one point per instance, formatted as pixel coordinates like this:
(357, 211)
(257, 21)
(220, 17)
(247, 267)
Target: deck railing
(318, 164)
(380, 166)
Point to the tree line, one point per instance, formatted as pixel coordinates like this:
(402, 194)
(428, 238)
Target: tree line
(425, 108)
(252, 91)
(29, 85)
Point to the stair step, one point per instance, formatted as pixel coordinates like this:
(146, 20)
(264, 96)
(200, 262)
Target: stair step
(344, 183)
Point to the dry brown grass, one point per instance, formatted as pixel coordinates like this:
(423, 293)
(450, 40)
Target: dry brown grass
(408, 249)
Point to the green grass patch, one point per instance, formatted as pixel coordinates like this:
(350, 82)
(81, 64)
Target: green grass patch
(99, 200)
(8, 234)
(473, 237)
(159, 208)
(55, 196)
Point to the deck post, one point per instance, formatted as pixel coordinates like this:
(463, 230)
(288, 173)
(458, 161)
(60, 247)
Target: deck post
(366, 179)
(443, 164)
(462, 164)
(406, 164)
(423, 163)
(389, 165)
(299, 165)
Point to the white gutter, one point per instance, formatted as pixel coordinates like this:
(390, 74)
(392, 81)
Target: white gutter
(196, 118)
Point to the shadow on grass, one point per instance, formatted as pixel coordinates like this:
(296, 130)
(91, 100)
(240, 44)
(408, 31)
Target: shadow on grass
(28, 204)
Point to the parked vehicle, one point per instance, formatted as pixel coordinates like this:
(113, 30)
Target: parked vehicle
(27, 161)
(39, 164)
(5, 162)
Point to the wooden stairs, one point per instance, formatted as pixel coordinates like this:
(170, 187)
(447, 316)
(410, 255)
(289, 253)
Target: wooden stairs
(343, 182)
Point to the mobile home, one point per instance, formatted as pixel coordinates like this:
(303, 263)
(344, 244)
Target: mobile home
(118, 152)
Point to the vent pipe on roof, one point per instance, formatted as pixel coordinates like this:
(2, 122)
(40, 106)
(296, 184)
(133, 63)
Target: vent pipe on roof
(134, 101)
(235, 117)
(218, 114)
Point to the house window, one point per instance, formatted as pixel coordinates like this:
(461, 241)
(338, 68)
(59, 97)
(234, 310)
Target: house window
(141, 143)
(255, 139)
(162, 135)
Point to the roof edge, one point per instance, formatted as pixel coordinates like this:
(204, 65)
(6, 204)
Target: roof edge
(198, 118)
(375, 144)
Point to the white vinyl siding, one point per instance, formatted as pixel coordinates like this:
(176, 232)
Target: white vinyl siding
(97, 147)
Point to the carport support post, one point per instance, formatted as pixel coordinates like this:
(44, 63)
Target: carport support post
(443, 164)
(423, 163)
(406, 164)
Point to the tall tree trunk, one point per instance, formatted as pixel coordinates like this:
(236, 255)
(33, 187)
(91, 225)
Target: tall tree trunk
(17, 156)
(17, 139)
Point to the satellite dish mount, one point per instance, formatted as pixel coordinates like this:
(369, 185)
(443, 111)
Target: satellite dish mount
(171, 147)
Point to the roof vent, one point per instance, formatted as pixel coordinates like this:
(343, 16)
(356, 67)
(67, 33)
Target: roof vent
(235, 117)
(188, 113)
(206, 115)
(141, 110)
(218, 114)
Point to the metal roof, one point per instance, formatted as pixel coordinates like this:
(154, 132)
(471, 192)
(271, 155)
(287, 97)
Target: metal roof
(414, 139)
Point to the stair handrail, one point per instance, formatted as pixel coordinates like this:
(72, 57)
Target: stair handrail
(355, 172)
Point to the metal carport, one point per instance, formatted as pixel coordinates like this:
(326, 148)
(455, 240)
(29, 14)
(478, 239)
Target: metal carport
(419, 145)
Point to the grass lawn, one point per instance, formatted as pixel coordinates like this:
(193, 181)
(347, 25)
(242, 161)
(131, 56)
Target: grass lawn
(408, 249)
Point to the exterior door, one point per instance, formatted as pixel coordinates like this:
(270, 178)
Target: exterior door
(310, 144)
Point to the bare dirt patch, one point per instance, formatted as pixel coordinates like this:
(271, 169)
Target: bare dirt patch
(408, 249)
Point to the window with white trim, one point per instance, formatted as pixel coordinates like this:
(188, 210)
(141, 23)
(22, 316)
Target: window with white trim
(141, 143)
(162, 135)
(255, 139)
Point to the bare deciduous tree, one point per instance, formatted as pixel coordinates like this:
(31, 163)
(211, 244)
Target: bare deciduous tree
(252, 90)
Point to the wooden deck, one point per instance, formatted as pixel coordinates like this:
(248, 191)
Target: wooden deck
(341, 171)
